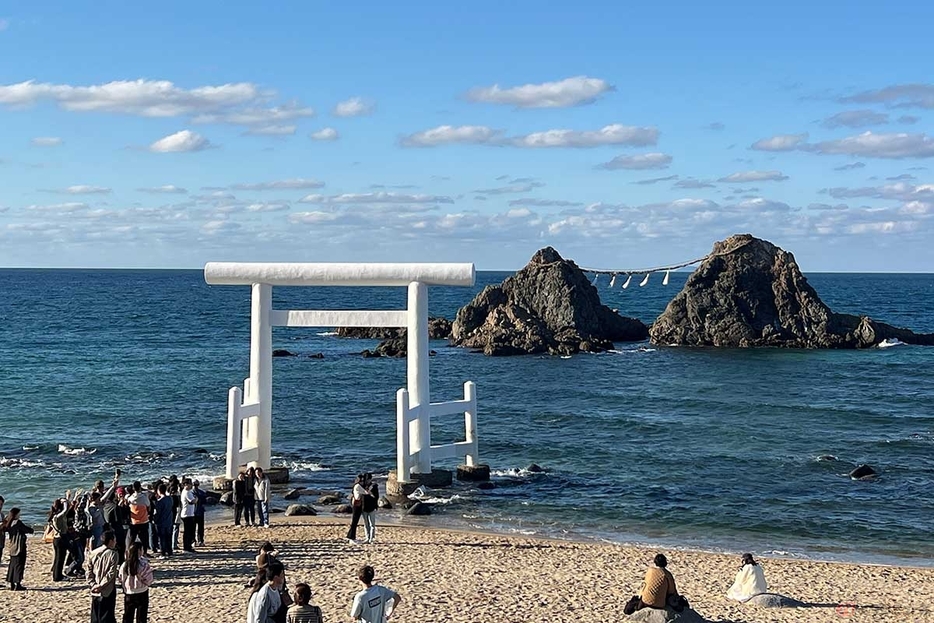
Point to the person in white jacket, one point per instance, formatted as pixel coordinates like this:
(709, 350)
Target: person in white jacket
(135, 577)
(750, 581)
(263, 497)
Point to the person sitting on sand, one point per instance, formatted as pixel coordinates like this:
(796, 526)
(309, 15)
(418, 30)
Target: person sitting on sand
(658, 589)
(302, 611)
(749, 582)
(369, 605)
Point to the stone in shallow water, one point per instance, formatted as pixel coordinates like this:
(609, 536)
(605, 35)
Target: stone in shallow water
(299, 509)
(773, 600)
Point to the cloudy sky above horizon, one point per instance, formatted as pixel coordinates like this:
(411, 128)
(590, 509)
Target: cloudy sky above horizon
(624, 136)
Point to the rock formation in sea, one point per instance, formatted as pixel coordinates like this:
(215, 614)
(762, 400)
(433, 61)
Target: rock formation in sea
(438, 329)
(549, 306)
(749, 292)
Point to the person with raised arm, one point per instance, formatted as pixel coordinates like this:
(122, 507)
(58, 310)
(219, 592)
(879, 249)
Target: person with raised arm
(58, 526)
(13, 526)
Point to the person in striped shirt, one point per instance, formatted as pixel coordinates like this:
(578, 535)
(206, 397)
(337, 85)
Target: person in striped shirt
(302, 611)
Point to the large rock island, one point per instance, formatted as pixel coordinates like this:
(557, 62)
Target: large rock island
(748, 292)
(547, 307)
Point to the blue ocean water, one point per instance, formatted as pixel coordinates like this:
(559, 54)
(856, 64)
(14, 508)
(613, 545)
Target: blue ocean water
(706, 448)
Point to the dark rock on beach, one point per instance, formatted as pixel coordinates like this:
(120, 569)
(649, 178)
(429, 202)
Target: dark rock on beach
(749, 292)
(774, 600)
(655, 615)
(549, 306)
(299, 509)
(330, 499)
(281, 352)
(343, 509)
(863, 471)
(292, 494)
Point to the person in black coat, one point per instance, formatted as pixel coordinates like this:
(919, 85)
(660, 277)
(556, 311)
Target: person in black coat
(239, 493)
(17, 548)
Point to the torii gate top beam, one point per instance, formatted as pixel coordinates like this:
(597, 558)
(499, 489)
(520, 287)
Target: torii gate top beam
(338, 274)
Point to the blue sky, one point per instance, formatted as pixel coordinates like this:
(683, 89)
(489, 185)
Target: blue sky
(624, 135)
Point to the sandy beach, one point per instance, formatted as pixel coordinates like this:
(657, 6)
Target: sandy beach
(462, 577)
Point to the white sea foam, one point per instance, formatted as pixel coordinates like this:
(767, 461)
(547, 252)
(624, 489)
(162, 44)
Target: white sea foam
(63, 449)
(14, 462)
(307, 466)
(890, 342)
(426, 495)
(327, 333)
(513, 472)
(28, 448)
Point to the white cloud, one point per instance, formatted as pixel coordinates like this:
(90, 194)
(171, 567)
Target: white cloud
(267, 207)
(47, 141)
(168, 189)
(754, 176)
(872, 145)
(71, 206)
(850, 166)
(376, 198)
(148, 98)
(325, 134)
(656, 180)
(514, 188)
(855, 119)
(450, 135)
(289, 184)
(915, 95)
(565, 93)
(781, 142)
(184, 141)
(693, 184)
(615, 134)
(654, 160)
(258, 116)
(544, 203)
(899, 190)
(84, 189)
(354, 107)
(272, 130)
(313, 218)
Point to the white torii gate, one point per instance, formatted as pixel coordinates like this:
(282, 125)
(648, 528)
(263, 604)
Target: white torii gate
(249, 411)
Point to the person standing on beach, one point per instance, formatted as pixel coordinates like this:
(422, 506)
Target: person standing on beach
(266, 602)
(249, 498)
(370, 504)
(199, 513)
(369, 605)
(165, 521)
(239, 492)
(2, 533)
(189, 500)
(262, 497)
(17, 530)
(139, 515)
(95, 518)
(135, 577)
(356, 502)
(175, 491)
(102, 575)
(58, 524)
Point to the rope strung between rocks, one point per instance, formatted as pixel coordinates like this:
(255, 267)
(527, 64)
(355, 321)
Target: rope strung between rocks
(596, 272)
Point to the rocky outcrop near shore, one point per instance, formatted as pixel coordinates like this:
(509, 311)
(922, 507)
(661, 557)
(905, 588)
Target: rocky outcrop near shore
(438, 329)
(749, 292)
(549, 306)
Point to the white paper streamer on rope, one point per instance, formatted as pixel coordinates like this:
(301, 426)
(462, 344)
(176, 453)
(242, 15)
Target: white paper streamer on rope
(665, 280)
(646, 280)
(628, 279)
(613, 281)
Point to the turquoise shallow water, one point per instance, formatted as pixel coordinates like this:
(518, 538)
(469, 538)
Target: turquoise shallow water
(698, 448)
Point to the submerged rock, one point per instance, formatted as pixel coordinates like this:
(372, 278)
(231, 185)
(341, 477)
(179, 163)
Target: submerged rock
(419, 508)
(292, 494)
(863, 471)
(330, 499)
(749, 292)
(549, 306)
(281, 352)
